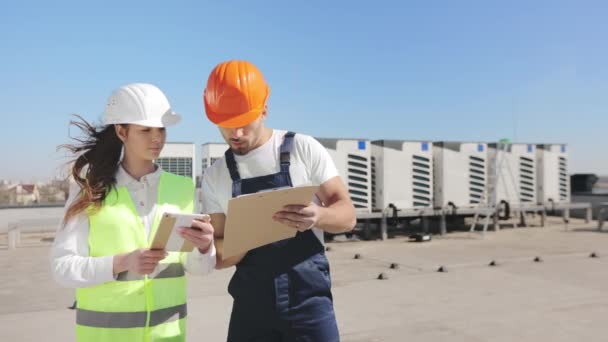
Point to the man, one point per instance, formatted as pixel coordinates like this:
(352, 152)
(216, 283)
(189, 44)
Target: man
(281, 291)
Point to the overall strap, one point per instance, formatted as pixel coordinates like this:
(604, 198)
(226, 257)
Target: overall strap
(234, 173)
(286, 148)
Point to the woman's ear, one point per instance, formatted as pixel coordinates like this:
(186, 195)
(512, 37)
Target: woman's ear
(121, 132)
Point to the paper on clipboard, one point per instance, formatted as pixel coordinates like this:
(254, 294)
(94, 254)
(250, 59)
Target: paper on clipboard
(168, 237)
(249, 222)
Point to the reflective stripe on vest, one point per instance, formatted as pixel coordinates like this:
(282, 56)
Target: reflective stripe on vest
(173, 270)
(99, 319)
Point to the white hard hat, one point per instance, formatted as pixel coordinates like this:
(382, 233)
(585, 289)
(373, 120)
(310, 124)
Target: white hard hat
(141, 104)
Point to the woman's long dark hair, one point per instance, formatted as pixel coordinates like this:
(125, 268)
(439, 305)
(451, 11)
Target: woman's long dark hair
(94, 168)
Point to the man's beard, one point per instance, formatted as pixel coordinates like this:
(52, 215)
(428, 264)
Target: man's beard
(239, 151)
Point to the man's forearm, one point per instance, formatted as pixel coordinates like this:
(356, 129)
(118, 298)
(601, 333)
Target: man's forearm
(339, 217)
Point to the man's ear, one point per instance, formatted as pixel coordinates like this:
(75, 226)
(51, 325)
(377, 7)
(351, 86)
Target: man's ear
(265, 113)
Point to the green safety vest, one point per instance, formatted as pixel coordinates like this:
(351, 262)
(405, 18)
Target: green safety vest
(135, 307)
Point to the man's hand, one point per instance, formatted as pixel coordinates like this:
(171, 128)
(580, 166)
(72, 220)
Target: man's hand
(140, 261)
(299, 217)
(200, 234)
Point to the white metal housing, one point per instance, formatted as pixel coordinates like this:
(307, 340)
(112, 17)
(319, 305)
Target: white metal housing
(178, 158)
(402, 174)
(210, 152)
(553, 181)
(516, 177)
(353, 161)
(460, 173)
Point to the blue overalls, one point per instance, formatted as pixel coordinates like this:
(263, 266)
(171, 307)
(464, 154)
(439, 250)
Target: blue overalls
(281, 291)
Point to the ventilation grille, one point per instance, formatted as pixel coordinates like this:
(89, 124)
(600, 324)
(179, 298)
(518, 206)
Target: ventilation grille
(526, 179)
(563, 179)
(374, 182)
(477, 179)
(178, 166)
(421, 169)
(358, 180)
(207, 162)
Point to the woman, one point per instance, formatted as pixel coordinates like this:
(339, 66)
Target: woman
(125, 290)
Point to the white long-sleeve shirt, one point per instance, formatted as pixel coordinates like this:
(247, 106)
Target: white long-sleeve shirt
(71, 264)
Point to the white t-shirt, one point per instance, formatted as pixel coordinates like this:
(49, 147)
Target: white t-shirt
(310, 165)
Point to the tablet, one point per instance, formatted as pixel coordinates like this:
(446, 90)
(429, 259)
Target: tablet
(168, 237)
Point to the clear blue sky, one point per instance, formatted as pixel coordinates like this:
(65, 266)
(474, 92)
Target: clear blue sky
(535, 71)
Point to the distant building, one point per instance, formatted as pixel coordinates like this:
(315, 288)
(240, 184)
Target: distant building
(23, 194)
(54, 191)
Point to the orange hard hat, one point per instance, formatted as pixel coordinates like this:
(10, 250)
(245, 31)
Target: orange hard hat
(236, 94)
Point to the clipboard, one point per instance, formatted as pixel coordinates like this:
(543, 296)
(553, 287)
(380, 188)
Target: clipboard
(249, 222)
(167, 237)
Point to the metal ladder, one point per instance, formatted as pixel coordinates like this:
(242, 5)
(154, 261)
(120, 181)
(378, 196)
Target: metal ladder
(502, 148)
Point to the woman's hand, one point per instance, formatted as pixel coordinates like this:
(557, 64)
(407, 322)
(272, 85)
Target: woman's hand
(140, 261)
(200, 234)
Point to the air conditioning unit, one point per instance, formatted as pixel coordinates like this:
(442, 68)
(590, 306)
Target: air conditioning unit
(516, 178)
(178, 158)
(553, 182)
(460, 174)
(402, 174)
(210, 152)
(352, 158)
